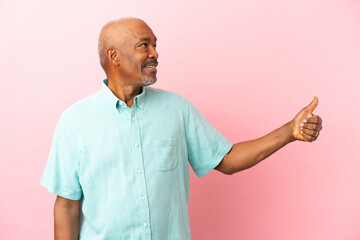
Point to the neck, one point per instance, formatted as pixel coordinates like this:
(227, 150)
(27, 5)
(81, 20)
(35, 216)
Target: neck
(124, 91)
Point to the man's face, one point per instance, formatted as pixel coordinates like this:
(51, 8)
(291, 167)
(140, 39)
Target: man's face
(138, 60)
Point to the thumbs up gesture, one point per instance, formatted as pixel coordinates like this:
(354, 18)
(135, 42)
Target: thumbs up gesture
(306, 126)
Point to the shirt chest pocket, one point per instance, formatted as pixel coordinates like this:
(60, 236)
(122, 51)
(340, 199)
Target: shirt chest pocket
(166, 153)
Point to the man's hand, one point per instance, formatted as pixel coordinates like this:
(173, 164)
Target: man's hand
(305, 125)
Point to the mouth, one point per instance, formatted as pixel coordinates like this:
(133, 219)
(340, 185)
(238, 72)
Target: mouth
(150, 67)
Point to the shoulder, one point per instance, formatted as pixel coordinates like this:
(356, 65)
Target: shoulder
(155, 94)
(82, 107)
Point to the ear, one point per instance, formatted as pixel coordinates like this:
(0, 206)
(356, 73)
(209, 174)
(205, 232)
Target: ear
(113, 56)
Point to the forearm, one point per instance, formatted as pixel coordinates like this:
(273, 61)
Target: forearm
(247, 154)
(67, 222)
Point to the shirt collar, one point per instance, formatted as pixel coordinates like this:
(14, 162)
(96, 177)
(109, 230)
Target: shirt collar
(115, 102)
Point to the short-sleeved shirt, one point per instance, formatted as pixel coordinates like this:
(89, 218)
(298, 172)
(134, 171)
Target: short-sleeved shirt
(130, 166)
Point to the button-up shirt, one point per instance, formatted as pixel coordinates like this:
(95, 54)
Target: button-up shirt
(130, 166)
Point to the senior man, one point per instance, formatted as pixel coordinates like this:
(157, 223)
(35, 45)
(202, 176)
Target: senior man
(119, 161)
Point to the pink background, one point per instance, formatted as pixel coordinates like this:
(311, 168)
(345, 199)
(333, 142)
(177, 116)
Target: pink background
(248, 66)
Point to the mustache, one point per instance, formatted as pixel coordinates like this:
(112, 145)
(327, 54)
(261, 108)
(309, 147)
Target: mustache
(151, 61)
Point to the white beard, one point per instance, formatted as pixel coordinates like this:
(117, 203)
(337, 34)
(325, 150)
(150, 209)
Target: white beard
(148, 81)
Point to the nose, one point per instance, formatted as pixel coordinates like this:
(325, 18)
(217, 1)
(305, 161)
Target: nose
(153, 53)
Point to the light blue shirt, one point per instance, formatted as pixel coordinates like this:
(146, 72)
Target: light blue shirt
(130, 166)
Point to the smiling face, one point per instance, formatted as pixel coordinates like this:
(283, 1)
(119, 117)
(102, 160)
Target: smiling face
(138, 56)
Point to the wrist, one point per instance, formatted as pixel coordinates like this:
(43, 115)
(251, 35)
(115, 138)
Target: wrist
(289, 129)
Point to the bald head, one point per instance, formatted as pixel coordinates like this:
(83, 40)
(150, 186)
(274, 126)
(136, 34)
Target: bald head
(114, 34)
(127, 50)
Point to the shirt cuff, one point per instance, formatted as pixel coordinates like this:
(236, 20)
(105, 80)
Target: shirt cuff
(215, 161)
(62, 192)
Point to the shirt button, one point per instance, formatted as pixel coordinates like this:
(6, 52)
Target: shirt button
(143, 198)
(136, 144)
(145, 224)
(121, 103)
(133, 119)
(141, 106)
(139, 171)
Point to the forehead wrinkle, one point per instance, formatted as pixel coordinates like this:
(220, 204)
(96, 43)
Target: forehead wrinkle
(141, 36)
(146, 39)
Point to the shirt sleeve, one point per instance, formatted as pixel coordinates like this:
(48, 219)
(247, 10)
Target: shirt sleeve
(61, 172)
(206, 146)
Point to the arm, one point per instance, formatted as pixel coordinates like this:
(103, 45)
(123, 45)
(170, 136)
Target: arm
(66, 219)
(305, 127)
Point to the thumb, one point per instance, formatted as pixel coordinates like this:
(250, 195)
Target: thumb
(313, 104)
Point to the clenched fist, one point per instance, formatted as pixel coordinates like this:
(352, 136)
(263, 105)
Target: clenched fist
(305, 125)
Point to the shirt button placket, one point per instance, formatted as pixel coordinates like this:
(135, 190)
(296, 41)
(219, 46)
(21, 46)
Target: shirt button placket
(141, 181)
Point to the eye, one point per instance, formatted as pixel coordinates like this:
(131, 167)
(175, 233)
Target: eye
(143, 45)
(155, 46)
